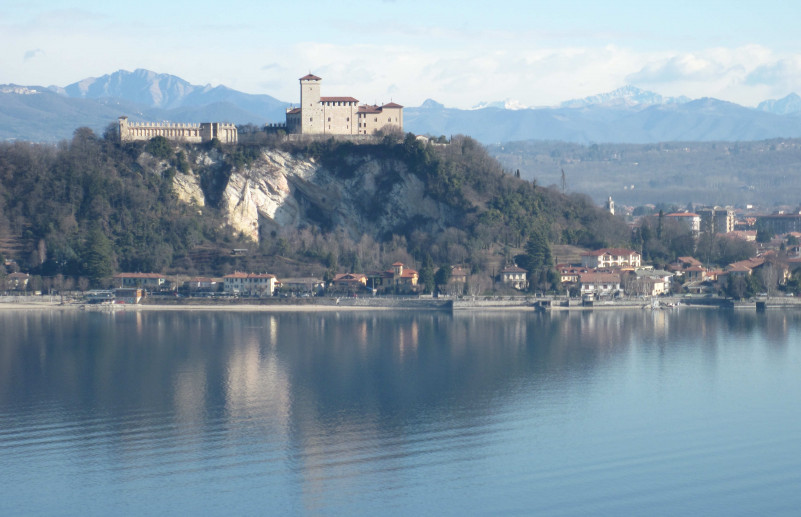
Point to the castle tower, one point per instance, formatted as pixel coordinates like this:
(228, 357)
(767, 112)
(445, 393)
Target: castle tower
(123, 132)
(610, 205)
(311, 111)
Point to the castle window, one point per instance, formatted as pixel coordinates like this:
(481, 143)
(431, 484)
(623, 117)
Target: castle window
(376, 119)
(310, 119)
(329, 119)
(347, 119)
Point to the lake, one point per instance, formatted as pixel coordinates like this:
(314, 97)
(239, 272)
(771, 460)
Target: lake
(634, 412)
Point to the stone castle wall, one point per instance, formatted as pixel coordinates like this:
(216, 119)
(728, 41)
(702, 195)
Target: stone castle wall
(318, 115)
(177, 132)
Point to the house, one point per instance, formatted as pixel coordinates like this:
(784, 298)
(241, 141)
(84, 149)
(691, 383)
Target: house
(610, 257)
(398, 276)
(644, 282)
(569, 274)
(249, 284)
(459, 275)
(695, 274)
(349, 280)
(599, 284)
(147, 280)
(302, 285)
(18, 281)
(514, 276)
(201, 283)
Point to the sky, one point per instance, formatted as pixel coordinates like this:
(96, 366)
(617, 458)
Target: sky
(535, 53)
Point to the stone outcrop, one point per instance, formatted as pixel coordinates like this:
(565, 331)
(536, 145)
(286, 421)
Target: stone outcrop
(280, 190)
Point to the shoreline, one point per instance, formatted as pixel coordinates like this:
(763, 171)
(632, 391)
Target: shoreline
(365, 305)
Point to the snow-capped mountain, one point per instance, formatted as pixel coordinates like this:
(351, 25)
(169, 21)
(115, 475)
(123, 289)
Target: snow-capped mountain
(508, 104)
(628, 114)
(627, 96)
(784, 106)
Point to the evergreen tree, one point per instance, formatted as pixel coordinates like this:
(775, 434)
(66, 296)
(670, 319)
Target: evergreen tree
(427, 274)
(98, 256)
(443, 275)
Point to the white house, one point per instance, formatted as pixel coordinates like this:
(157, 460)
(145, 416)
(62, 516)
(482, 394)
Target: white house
(610, 257)
(252, 284)
(599, 284)
(514, 276)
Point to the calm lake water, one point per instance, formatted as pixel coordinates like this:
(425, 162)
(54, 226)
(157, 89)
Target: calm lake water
(687, 412)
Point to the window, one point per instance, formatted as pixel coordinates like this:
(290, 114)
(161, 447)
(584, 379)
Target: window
(376, 119)
(310, 119)
(329, 119)
(347, 119)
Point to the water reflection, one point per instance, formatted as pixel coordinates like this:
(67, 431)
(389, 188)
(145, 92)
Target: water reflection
(332, 400)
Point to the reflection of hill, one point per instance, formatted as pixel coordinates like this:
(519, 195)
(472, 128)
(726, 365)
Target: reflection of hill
(307, 374)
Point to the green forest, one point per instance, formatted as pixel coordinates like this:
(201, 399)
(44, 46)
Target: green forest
(89, 207)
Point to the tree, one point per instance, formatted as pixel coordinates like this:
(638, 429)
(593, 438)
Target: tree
(427, 274)
(98, 256)
(443, 275)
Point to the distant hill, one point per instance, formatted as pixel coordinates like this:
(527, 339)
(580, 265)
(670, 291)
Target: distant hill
(625, 115)
(42, 114)
(762, 173)
(704, 120)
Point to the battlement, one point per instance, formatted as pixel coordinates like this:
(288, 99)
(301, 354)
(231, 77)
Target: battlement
(177, 131)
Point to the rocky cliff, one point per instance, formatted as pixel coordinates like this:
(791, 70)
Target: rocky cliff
(363, 195)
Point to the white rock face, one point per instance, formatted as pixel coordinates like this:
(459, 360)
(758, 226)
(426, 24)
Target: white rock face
(188, 189)
(280, 190)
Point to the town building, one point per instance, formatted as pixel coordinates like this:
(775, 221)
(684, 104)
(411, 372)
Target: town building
(398, 276)
(349, 281)
(302, 285)
(780, 223)
(318, 115)
(716, 219)
(146, 280)
(610, 257)
(249, 284)
(599, 284)
(177, 132)
(514, 276)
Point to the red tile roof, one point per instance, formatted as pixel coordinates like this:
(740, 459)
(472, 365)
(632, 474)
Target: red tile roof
(293, 111)
(310, 77)
(594, 278)
(364, 108)
(392, 105)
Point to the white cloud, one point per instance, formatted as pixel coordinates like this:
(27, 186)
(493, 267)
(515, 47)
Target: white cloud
(403, 61)
(30, 54)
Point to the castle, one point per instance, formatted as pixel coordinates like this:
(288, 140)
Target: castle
(179, 132)
(338, 115)
(316, 116)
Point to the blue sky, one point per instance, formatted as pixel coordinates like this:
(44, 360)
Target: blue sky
(459, 53)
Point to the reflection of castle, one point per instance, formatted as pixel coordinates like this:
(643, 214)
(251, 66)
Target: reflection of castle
(338, 115)
(179, 132)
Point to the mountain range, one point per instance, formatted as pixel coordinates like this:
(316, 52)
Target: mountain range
(626, 115)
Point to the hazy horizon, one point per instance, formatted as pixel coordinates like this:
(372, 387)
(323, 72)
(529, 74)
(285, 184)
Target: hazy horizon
(408, 51)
